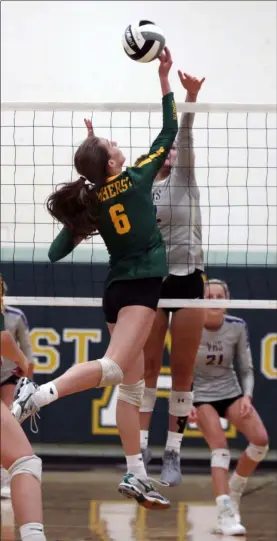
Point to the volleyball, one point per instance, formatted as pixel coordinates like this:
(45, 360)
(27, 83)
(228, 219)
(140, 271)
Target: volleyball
(143, 42)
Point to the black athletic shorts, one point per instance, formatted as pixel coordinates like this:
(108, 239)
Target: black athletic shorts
(141, 292)
(190, 286)
(12, 380)
(220, 406)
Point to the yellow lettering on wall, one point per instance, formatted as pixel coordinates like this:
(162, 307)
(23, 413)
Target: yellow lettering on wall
(82, 338)
(268, 359)
(47, 352)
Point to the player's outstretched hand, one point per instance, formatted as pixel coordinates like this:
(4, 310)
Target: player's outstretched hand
(191, 84)
(89, 127)
(165, 63)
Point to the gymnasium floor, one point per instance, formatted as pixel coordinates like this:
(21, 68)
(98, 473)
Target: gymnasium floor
(85, 506)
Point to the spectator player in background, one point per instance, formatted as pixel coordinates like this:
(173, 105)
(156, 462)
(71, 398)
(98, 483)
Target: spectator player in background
(177, 200)
(17, 455)
(16, 323)
(218, 393)
(118, 204)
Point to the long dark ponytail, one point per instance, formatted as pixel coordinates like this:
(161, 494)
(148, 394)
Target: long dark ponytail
(75, 204)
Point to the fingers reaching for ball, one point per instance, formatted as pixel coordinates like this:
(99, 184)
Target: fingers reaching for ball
(165, 62)
(191, 84)
(89, 127)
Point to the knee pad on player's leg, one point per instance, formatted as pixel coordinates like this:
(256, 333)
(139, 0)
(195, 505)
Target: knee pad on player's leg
(180, 403)
(32, 531)
(131, 393)
(148, 400)
(111, 372)
(220, 458)
(256, 452)
(27, 464)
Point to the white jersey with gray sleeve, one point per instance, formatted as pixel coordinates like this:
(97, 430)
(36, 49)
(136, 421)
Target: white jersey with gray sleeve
(215, 377)
(177, 199)
(16, 322)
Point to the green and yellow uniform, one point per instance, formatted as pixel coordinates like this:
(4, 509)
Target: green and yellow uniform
(128, 223)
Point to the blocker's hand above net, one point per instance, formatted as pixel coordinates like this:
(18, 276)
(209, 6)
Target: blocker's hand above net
(89, 127)
(191, 84)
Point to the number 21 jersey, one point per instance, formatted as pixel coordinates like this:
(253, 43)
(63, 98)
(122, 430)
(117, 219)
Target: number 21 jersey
(215, 377)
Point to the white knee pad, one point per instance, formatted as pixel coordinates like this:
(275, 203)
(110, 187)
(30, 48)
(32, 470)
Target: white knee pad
(256, 452)
(131, 393)
(221, 459)
(27, 464)
(111, 372)
(148, 400)
(180, 403)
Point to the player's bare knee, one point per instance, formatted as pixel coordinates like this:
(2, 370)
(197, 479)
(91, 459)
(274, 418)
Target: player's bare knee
(132, 394)
(31, 465)
(151, 371)
(111, 373)
(217, 441)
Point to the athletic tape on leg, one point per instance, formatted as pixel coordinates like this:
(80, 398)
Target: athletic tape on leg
(257, 453)
(148, 400)
(180, 403)
(111, 372)
(27, 464)
(220, 458)
(131, 393)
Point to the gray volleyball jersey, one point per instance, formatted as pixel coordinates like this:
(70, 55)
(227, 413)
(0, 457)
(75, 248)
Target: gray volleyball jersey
(177, 199)
(215, 377)
(16, 322)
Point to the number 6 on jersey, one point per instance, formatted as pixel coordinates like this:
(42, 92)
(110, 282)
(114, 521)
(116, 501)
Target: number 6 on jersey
(120, 219)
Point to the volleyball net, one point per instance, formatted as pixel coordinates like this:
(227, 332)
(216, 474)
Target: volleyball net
(235, 151)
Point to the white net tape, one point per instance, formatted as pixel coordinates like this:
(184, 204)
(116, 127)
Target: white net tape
(164, 303)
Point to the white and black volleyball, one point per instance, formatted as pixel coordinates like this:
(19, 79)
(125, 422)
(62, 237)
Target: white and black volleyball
(143, 42)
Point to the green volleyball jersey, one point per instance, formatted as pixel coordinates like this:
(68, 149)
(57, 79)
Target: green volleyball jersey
(128, 223)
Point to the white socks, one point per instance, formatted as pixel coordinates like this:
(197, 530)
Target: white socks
(174, 442)
(222, 500)
(237, 483)
(33, 531)
(144, 436)
(135, 465)
(46, 394)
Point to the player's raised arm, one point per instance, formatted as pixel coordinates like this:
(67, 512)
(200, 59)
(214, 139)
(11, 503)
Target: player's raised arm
(184, 165)
(161, 146)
